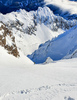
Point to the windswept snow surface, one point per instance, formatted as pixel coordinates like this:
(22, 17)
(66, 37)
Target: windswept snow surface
(54, 81)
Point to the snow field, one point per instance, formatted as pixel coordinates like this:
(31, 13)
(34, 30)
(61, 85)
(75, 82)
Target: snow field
(54, 81)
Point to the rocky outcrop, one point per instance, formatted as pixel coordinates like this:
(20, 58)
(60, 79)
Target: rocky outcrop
(7, 40)
(45, 15)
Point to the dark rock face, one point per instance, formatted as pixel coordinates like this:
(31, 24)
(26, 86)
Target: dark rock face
(7, 6)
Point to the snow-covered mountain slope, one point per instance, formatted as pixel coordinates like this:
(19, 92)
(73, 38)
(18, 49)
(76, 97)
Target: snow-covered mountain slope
(9, 60)
(54, 81)
(22, 26)
(7, 40)
(30, 29)
(9, 52)
(21, 33)
(46, 16)
(57, 48)
(33, 28)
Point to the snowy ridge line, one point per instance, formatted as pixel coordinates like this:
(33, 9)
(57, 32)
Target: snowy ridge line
(27, 21)
(45, 15)
(65, 8)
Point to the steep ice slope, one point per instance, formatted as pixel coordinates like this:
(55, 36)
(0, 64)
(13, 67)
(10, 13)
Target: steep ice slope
(57, 48)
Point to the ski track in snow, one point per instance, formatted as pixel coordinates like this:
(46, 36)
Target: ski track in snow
(22, 80)
(42, 93)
